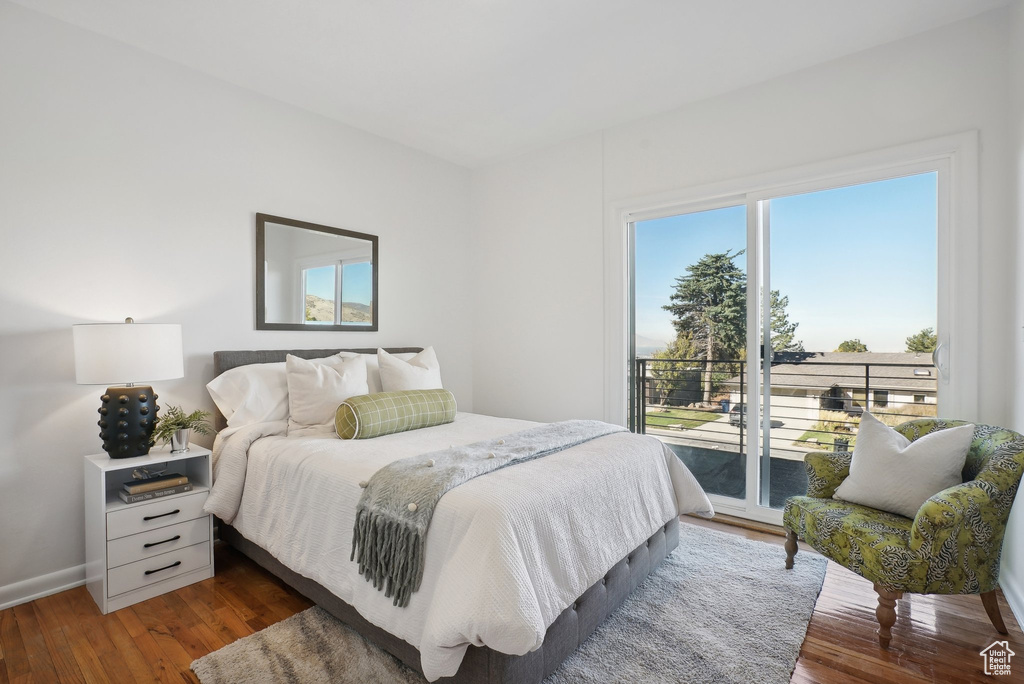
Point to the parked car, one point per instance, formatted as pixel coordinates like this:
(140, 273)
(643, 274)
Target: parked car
(738, 415)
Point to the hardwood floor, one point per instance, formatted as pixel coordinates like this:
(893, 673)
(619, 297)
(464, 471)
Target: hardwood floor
(65, 638)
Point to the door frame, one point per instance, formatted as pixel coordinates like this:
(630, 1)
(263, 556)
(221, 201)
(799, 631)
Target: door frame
(954, 158)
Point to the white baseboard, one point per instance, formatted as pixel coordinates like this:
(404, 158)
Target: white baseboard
(1014, 593)
(44, 585)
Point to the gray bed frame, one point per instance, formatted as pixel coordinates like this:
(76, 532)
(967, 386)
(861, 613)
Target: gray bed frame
(481, 665)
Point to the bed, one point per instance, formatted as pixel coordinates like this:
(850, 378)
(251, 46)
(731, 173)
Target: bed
(512, 583)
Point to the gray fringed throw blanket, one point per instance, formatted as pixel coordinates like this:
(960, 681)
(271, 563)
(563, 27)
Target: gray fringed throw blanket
(399, 500)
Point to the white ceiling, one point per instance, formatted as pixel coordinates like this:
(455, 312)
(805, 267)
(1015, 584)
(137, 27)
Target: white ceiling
(474, 81)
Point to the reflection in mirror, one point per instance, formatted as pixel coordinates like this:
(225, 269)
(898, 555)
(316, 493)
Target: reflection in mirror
(313, 277)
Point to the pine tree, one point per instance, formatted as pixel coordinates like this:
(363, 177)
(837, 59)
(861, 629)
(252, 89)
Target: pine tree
(709, 307)
(923, 342)
(783, 331)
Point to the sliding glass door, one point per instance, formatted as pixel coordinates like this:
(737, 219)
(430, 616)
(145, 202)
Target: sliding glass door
(690, 291)
(850, 287)
(766, 324)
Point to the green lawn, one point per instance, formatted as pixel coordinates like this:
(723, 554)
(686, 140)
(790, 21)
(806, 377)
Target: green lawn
(684, 418)
(825, 440)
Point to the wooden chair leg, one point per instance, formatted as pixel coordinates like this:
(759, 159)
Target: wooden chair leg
(991, 603)
(886, 613)
(791, 548)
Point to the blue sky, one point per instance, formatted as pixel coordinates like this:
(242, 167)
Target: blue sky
(355, 286)
(856, 262)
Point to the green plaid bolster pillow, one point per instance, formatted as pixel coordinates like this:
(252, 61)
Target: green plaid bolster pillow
(373, 415)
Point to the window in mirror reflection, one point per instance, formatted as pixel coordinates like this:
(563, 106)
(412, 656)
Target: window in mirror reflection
(322, 289)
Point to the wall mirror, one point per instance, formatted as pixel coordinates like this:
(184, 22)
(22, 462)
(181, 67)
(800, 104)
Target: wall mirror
(313, 277)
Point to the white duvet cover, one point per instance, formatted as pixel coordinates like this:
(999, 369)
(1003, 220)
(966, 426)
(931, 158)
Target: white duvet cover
(505, 552)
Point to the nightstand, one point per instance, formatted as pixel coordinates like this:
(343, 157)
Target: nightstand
(134, 552)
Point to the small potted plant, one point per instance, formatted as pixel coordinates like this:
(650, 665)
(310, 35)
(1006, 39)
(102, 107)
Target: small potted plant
(175, 425)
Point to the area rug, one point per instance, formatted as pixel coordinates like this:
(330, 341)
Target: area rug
(720, 609)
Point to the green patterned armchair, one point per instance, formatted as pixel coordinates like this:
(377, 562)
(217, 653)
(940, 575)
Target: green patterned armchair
(953, 544)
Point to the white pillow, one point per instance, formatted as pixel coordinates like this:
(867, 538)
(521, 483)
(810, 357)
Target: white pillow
(373, 369)
(891, 473)
(418, 373)
(316, 389)
(255, 393)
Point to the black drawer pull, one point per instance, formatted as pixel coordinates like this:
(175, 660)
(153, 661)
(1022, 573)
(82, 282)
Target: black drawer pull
(162, 515)
(151, 544)
(166, 567)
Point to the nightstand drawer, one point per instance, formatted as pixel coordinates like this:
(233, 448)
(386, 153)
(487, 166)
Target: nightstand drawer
(157, 568)
(143, 517)
(154, 542)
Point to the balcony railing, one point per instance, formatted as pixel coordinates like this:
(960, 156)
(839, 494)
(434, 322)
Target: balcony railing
(698, 407)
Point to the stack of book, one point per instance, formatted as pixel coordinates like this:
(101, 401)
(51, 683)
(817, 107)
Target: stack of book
(154, 488)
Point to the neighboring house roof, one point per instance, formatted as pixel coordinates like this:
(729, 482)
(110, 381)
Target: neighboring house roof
(825, 370)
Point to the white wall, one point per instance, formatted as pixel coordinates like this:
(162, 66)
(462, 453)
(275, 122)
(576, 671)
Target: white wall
(1012, 577)
(942, 82)
(128, 186)
(538, 324)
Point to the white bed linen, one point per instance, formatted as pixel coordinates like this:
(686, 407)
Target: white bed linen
(505, 553)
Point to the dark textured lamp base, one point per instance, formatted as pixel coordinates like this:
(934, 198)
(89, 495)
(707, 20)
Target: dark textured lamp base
(127, 419)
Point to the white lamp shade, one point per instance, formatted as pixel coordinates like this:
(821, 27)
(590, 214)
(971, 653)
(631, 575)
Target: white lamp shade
(121, 353)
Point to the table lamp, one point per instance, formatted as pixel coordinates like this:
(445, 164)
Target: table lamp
(120, 355)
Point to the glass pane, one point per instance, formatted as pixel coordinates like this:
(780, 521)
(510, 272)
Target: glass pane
(690, 322)
(319, 295)
(356, 293)
(854, 293)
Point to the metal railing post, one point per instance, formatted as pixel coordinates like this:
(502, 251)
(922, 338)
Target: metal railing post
(867, 386)
(743, 404)
(643, 397)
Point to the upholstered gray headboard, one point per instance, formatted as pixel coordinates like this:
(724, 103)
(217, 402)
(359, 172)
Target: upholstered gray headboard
(226, 360)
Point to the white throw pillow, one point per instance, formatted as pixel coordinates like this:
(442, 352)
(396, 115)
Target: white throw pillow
(420, 372)
(891, 473)
(373, 369)
(255, 393)
(316, 389)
